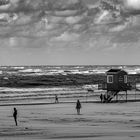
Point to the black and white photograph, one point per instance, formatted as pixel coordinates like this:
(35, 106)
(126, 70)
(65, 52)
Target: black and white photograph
(69, 69)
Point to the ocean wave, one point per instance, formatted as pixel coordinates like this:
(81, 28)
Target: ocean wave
(6, 89)
(17, 68)
(132, 70)
(64, 70)
(78, 67)
(1, 72)
(31, 71)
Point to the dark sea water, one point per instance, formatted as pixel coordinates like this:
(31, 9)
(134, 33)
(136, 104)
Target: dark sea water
(35, 76)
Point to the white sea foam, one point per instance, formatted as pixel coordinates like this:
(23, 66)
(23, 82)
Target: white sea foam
(93, 87)
(30, 70)
(78, 67)
(54, 72)
(11, 72)
(6, 78)
(133, 71)
(63, 72)
(17, 68)
(1, 72)
(96, 71)
(3, 67)
(6, 89)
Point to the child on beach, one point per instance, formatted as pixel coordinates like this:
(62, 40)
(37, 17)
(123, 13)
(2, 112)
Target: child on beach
(78, 107)
(15, 115)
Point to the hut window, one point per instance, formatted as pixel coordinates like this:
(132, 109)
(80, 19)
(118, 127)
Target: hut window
(110, 79)
(125, 78)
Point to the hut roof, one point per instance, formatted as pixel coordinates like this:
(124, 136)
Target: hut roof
(114, 70)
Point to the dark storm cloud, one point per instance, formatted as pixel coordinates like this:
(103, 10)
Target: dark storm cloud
(73, 14)
(23, 5)
(66, 21)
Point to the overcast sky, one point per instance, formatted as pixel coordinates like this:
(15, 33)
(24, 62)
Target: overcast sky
(59, 32)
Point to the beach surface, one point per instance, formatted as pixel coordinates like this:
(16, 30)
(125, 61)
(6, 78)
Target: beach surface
(115, 121)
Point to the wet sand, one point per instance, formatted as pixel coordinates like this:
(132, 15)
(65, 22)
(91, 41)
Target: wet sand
(59, 121)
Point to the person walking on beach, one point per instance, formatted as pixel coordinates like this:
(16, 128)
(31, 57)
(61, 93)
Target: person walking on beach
(56, 99)
(101, 97)
(15, 115)
(78, 107)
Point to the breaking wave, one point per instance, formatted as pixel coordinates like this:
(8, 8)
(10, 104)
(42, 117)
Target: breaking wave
(63, 70)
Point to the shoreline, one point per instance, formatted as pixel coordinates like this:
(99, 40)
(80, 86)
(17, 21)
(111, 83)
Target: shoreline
(69, 102)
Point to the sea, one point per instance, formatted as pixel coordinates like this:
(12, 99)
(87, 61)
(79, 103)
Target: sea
(37, 84)
(66, 69)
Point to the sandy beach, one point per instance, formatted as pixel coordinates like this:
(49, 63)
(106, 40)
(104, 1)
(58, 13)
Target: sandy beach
(59, 121)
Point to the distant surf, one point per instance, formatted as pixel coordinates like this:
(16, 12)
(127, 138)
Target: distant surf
(64, 70)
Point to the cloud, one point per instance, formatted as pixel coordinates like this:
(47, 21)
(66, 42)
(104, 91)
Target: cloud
(67, 37)
(132, 4)
(120, 27)
(26, 5)
(74, 19)
(72, 14)
(131, 7)
(53, 21)
(126, 37)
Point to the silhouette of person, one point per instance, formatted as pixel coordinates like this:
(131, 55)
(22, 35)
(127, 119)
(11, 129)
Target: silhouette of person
(78, 107)
(15, 115)
(101, 98)
(56, 99)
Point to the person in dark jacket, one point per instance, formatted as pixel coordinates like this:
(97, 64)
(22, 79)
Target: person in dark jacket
(56, 99)
(15, 115)
(101, 98)
(78, 107)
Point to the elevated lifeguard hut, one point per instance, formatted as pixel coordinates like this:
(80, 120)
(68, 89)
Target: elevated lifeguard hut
(116, 82)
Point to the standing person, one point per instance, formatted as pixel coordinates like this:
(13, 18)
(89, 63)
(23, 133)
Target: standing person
(78, 107)
(15, 115)
(56, 99)
(101, 97)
